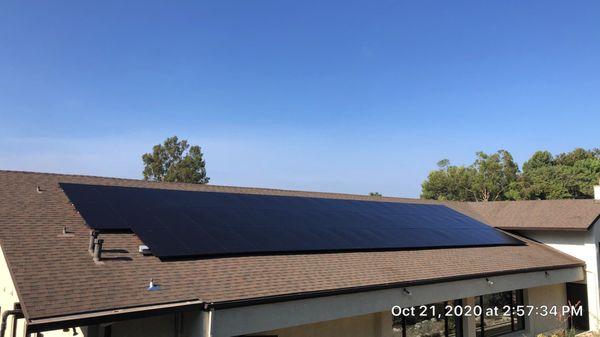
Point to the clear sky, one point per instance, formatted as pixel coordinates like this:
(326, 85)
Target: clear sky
(344, 96)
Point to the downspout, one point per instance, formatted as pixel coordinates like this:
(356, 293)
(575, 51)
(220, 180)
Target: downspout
(16, 319)
(206, 316)
(16, 313)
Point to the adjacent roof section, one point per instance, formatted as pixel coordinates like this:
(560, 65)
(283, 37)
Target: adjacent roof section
(534, 214)
(55, 275)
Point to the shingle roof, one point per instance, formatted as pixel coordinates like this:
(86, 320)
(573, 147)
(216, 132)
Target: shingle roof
(56, 276)
(568, 214)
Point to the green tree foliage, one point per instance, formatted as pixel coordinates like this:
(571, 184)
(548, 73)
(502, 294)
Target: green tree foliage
(375, 194)
(175, 161)
(489, 178)
(449, 182)
(564, 176)
(497, 177)
(539, 159)
(494, 174)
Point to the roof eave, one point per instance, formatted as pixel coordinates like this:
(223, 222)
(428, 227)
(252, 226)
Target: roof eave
(547, 229)
(97, 317)
(341, 291)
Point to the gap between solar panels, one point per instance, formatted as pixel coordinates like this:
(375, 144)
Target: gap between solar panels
(184, 224)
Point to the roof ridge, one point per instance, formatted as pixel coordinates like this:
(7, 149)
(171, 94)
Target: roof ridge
(256, 189)
(271, 189)
(70, 175)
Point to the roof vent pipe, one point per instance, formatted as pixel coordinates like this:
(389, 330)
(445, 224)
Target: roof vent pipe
(597, 192)
(153, 286)
(98, 250)
(93, 237)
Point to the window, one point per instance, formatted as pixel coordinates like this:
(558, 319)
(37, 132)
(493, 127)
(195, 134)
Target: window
(495, 325)
(429, 325)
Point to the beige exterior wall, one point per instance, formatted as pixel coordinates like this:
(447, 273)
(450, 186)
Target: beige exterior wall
(582, 245)
(554, 295)
(8, 294)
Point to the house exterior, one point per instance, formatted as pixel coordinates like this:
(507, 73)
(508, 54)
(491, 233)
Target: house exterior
(51, 285)
(570, 226)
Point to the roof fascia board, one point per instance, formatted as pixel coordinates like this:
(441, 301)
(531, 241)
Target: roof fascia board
(593, 222)
(83, 319)
(546, 229)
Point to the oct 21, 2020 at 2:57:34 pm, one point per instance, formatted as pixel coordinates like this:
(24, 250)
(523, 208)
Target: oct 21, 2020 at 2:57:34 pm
(478, 310)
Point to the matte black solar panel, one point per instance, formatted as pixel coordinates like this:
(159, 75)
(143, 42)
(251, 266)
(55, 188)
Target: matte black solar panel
(175, 223)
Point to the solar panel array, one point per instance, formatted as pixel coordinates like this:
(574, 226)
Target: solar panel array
(176, 223)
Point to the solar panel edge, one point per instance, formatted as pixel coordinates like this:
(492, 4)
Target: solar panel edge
(346, 242)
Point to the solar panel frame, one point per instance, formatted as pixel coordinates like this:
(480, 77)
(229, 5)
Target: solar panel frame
(182, 223)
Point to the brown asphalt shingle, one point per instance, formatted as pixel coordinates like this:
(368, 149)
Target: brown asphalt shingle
(568, 214)
(56, 276)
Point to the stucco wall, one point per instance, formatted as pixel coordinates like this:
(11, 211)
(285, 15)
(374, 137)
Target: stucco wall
(553, 295)
(8, 293)
(582, 245)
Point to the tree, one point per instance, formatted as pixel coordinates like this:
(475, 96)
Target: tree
(449, 183)
(175, 161)
(566, 175)
(375, 194)
(494, 175)
(537, 160)
(497, 177)
(489, 178)
(570, 158)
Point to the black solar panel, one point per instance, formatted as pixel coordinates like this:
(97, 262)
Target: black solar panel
(175, 223)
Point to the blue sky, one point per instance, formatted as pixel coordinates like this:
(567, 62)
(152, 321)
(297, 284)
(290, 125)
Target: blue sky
(345, 96)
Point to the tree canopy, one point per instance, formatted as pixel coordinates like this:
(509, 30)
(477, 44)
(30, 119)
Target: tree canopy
(175, 161)
(496, 176)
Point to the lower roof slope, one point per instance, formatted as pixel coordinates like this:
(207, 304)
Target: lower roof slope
(55, 275)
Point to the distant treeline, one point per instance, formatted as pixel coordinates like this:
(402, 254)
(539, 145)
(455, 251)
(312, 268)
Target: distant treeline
(496, 176)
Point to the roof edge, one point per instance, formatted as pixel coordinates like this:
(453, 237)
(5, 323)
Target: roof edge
(336, 195)
(548, 229)
(118, 314)
(351, 290)
(13, 280)
(593, 222)
(96, 317)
